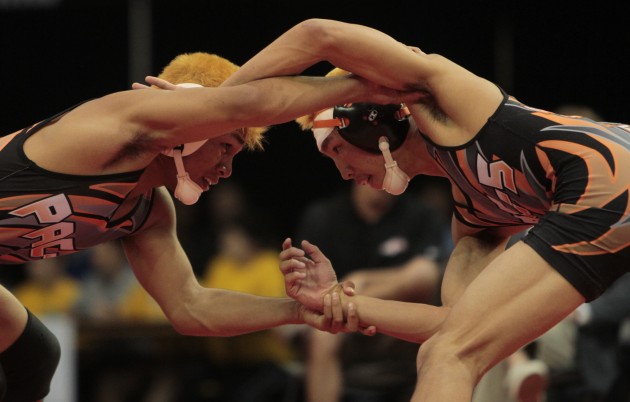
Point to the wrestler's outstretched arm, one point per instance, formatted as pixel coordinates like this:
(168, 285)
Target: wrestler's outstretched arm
(163, 269)
(356, 48)
(305, 267)
(414, 322)
(465, 98)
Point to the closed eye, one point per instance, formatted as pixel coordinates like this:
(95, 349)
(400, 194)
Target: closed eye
(235, 144)
(231, 147)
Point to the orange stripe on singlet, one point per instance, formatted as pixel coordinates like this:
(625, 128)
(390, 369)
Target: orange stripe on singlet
(12, 233)
(87, 204)
(604, 185)
(9, 203)
(566, 120)
(612, 241)
(101, 224)
(118, 189)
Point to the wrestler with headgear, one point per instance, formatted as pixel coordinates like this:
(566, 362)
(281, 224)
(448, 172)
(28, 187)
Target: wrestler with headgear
(193, 70)
(513, 168)
(374, 128)
(101, 171)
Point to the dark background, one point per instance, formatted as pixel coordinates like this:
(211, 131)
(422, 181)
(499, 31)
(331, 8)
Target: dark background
(545, 55)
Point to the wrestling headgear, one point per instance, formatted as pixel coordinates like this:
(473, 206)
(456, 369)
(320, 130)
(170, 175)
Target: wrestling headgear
(372, 128)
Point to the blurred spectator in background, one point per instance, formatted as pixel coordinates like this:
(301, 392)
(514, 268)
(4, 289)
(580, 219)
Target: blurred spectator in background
(391, 247)
(255, 366)
(227, 202)
(436, 193)
(48, 289)
(106, 285)
(198, 226)
(50, 292)
(602, 358)
(118, 368)
(141, 308)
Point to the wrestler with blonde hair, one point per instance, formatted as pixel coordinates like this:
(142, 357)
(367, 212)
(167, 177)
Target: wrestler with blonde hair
(101, 171)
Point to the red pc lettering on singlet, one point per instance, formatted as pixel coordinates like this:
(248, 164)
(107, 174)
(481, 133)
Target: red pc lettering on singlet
(52, 211)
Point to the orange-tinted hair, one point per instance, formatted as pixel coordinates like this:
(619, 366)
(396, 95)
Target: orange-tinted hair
(208, 70)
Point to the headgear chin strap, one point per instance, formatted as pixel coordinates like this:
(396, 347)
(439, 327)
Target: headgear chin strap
(187, 191)
(395, 181)
(372, 128)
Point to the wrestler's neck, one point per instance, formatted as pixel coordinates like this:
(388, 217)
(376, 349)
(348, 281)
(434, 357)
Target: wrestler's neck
(413, 157)
(154, 175)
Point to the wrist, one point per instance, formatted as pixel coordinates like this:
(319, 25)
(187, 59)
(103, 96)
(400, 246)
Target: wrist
(295, 312)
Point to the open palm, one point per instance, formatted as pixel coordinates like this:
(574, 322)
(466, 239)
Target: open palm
(308, 274)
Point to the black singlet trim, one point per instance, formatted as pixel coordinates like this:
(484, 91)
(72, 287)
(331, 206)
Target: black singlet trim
(476, 137)
(27, 132)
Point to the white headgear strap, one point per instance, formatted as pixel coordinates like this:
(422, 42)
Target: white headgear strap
(323, 124)
(187, 191)
(395, 181)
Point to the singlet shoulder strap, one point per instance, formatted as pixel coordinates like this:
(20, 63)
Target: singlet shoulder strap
(32, 129)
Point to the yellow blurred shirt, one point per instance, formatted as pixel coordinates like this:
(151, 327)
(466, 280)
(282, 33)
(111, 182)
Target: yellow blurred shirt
(260, 276)
(58, 298)
(138, 306)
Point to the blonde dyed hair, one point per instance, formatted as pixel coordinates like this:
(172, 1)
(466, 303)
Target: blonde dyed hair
(208, 70)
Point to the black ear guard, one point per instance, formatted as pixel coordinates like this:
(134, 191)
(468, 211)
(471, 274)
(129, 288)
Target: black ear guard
(364, 123)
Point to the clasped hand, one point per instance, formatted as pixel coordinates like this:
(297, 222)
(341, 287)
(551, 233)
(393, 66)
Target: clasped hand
(311, 280)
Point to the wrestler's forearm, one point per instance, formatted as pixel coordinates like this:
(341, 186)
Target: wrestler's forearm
(198, 114)
(289, 54)
(277, 100)
(359, 49)
(413, 322)
(217, 312)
